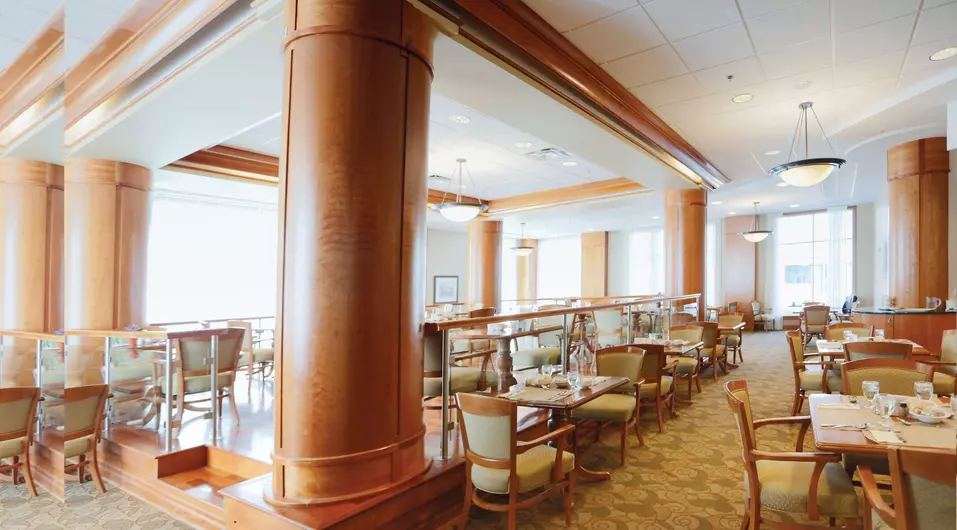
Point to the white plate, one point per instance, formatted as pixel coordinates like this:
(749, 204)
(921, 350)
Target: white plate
(930, 419)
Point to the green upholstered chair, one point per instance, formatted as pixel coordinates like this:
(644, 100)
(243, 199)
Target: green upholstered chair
(762, 316)
(497, 464)
(782, 482)
(608, 327)
(922, 483)
(536, 357)
(811, 374)
(855, 351)
(621, 405)
(714, 353)
(835, 332)
(84, 428)
(461, 378)
(658, 387)
(814, 322)
(734, 337)
(945, 373)
(689, 366)
(18, 408)
(895, 376)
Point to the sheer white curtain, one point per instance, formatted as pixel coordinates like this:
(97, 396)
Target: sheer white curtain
(836, 285)
(714, 242)
(646, 261)
(560, 267)
(509, 269)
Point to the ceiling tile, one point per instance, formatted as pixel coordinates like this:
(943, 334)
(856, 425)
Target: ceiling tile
(616, 36)
(930, 4)
(565, 15)
(797, 59)
(756, 8)
(672, 90)
(9, 49)
(21, 23)
(853, 14)
(935, 24)
(799, 23)
(876, 39)
(918, 57)
(646, 67)
(719, 46)
(873, 69)
(678, 19)
(745, 72)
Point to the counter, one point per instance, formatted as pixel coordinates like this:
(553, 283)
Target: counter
(924, 328)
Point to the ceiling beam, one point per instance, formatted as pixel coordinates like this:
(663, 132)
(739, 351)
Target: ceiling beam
(222, 161)
(591, 191)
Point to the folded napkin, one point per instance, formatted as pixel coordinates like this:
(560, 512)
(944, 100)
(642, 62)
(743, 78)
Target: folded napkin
(884, 437)
(829, 344)
(839, 406)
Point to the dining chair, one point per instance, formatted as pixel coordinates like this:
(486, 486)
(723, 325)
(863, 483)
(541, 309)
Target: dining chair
(762, 316)
(855, 351)
(895, 376)
(681, 319)
(689, 366)
(945, 370)
(621, 404)
(497, 463)
(732, 307)
(608, 327)
(658, 388)
(461, 378)
(734, 337)
(809, 484)
(254, 359)
(810, 374)
(814, 322)
(922, 482)
(86, 407)
(714, 353)
(18, 408)
(835, 332)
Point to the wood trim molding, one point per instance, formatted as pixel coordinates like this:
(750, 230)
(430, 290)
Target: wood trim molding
(602, 189)
(514, 35)
(227, 162)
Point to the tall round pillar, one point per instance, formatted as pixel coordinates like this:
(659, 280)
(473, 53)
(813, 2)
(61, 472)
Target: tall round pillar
(106, 217)
(526, 268)
(917, 192)
(352, 250)
(485, 263)
(31, 251)
(686, 218)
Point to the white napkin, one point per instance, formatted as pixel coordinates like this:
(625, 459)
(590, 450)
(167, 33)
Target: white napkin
(884, 437)
(838, 406)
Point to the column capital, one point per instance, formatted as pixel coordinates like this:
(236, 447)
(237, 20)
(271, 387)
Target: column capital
(95, 171)
(32, 172)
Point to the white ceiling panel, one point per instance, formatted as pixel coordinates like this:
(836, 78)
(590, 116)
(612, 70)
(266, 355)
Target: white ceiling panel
(20, 22)
(873, 69)
(797, 59)
(670, 90)
(745, 72)
(719, 46)
(930, 4)
(789, 26)
(618, 35)
(679, 19)
(853, 14)
(935, 24)
(918, 57)
(646, 67)
(873, 40)
(565, 15)
(756, 8)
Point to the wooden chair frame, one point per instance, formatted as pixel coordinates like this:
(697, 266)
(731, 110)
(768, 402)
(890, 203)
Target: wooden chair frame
(561, 482)
(714, 360)
(249, 346)
(936, 364)
(664, 368)
(815, 308)
(633, 421)
(735, 350)
(877, 348)
(845, 325)
(16, 394)
(78, 394)
(751, 455)
(903, 364)
(759, 311)
(938, 465)
(799, 366)
(695, 376)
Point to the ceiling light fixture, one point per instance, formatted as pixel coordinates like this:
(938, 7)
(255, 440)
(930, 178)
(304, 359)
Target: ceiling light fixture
(460, 211)
(807, 171)
(716, 202)
(795, 206)
(522, 250)
(742, 98)
(801, 85)
(732, 213)
(782, 184)
(656, 217)
(523, 145)
(755, 235)
(570, 163)
(946, 53)
(773, 152)
(460, 119)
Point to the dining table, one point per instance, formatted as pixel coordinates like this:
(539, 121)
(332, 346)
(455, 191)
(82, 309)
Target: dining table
(504, 338)
(836, 422)
(834, 350)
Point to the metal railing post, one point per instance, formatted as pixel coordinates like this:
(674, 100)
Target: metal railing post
(39, 418)
(169, 395)
(446, 380)
(628, 334)
(107, 376)
(565, 345)
(213, 380)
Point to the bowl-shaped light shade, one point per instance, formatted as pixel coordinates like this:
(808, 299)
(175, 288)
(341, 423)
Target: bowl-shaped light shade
(460, 212)
(522, 251)
(803, 173)
(755, 236)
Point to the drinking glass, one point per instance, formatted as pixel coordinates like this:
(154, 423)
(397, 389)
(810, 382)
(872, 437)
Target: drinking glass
(870, 389)
(547, 371)
(574, 380)
(520, 378)
(887, 405)
(879, 333)
(853, 337)
(847, 334)
(924, 390)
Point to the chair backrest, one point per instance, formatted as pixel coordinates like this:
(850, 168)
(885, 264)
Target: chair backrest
(681, 319)
(621, 361)
(552, 338)
(18, 407)
(836, 331)
(755, 307)
(709, 332)
(796, 349)
(923, 488)
(608, 321)
(855, 351)
(489, 427)
(86, 405)
(948, 351)
(730, 319)
(482, 312)
(739, 401)
(690, 333)
(247, 344)
(193, 352)
(895, 376)
(817, 315)
(653, 362)
(432, 355)
(732, 307)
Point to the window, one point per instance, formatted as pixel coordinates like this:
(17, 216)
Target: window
(712, 263)
(816, 257)
(509, 269)
(560, 267)
(646, 261)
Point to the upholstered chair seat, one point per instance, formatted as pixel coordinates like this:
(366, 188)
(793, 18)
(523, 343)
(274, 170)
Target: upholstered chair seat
(132, 371)
(534, 469)
(196, 384)
(537, 356)
(78, 446)
(648, 390)
(922, 490)
(811, 380)
(464, 379)
(687, 365)
(785, 486)
(18, 407)
(816, 329)
(609, 407)
(14, 447)
(943, 383)
(259, 355)
(733, 340)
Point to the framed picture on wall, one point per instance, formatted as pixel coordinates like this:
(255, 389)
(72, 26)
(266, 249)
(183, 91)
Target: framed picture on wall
(445, 289)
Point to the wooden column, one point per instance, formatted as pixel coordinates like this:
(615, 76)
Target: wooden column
(352, 250)
(485, 263)
(686, 217)
(594, 264)
(106, 219)
(917, 191)
(526, 269)
(31, 254)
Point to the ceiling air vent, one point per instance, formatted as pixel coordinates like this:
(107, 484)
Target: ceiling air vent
(438, 180)
(549, 153)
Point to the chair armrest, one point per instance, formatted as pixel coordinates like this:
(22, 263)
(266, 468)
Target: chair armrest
(937, 363)
(872, 496)
(560, 432)
(463, 356)
(781, 421)
(670, 366)
(795, 456)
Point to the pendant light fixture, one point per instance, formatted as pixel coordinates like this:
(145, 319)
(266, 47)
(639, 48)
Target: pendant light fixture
(755, 234)
(460, 211)
(522, 250)
(808, 171)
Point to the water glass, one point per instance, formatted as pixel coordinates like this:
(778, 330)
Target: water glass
(879, 333)
(924, 390)
(887, 404)
(520, 378)
(870, 389)
(847, 334)
(547, 371)
(574, 380)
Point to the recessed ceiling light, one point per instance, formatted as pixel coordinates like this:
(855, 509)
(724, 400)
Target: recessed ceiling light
(716, 202)
(460, 119)
(591, 229)
(946, 53)
(570, 163)
(656, 217)
(782, 184)
(773, 152)
(523, 145)
(795, 206)
(742, 98)
(732, 213)
(801, 85)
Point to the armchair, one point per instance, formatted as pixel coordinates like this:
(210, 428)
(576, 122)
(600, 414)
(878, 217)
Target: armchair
(762, 316)
(84, 429)
(836, 331)
(945, 370)
(810, 374)
(814, 321)
(18, 408)
(253, 358)
(921, 479)
(714, 353)
(895, 376)
(658, 387)
(608, 328)
(689, 367)
(855, 351)
(461, 378)
(734, 338)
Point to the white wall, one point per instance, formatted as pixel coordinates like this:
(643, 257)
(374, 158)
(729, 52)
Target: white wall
(618, 263)
(446, 254)
(865, 243)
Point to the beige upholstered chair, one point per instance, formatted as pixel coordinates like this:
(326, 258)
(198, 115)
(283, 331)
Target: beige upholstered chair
(810, 484)
(608, 327)
(85, 407)
(497, 464)
(18, 409)
(658, 388)
(461, 378)
(895, 376)
(855, 351)
(689, 367)
(536, 357)
(923, 491)
(734, 338)
(810, 374)
(714, 353)
(945, 373)
(552, 339)
(814, 322)
(262, 358)
(681, 319)
(836, 331)
(621, 405)
(762, 316)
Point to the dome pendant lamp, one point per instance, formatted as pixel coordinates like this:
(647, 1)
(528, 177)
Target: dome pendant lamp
(809, 171)
(460, 211)
(522, 250)
(755, 235)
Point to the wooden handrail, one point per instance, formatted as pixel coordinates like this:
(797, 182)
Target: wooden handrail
(31, 335)
(581, 298)
(164, 324)
(154, 335)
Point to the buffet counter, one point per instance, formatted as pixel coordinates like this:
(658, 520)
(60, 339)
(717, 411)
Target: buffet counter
(923, 327)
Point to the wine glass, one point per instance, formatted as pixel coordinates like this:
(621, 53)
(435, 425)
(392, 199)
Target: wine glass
(547, 371)
(520, 378)
(870, 389)
(923, 390)
(887, 404)
(574, 379)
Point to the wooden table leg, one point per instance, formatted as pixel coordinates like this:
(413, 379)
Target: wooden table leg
(559, 418)
(504, 363)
